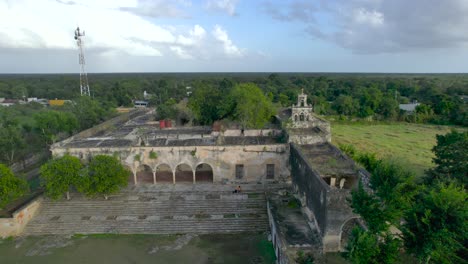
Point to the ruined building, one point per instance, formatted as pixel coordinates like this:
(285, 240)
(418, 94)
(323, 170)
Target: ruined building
(296, 156)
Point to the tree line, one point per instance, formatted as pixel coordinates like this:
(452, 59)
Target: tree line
(371, 96)
(429, 213)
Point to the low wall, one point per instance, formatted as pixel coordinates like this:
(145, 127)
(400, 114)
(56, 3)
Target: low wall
(252, 132)
(14, 225)
(278, 244)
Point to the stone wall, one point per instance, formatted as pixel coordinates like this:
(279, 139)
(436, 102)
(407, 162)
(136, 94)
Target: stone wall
(222, 159)
(327, 205)
(311, 188)
(338, 213)
(14, 225)
(278, 244)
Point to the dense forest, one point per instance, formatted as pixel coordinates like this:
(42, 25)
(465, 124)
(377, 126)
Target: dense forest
(442, 97)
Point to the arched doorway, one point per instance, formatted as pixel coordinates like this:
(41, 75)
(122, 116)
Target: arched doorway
(301, 117)
(144, 174)
(164, 174)
(183, 173)
(346, 231)
(204, 173)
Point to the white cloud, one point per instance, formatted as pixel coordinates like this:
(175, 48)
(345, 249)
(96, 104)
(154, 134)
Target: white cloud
(229, 48)
(372, 18)
(227, 6)
(110, 29)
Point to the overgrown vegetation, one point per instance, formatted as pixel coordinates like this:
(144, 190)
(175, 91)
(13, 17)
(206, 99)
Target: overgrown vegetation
(11, 186)
(32, 128)
(430, 217)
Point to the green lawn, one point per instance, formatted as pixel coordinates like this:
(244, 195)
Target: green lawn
(108, 248)
(408, 144)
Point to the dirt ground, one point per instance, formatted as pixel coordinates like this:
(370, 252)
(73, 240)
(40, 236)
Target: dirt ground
(193, 249)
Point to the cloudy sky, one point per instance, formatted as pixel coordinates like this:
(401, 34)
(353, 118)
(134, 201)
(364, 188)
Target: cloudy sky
(36, 36)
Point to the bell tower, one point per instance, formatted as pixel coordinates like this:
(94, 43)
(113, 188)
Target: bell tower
(302, 111)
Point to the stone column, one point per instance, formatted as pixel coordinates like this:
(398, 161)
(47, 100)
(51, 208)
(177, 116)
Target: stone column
(173, 177)
(194, 171)
(154, 177)
(135, 177)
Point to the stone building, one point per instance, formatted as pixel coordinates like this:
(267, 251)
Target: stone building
(298, 153)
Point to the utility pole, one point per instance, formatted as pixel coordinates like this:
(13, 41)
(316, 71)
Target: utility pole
(84, 86)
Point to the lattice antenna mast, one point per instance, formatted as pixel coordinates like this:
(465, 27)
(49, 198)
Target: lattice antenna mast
(84, 86)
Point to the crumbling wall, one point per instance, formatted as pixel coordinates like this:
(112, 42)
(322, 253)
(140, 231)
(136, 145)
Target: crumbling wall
(14, 225)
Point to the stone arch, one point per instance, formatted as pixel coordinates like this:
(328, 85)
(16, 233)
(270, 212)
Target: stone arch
(183, 173)
(164, 173)
(295, 118)
(144, 174)
(301, 117)
(346, 230)
(204, 173)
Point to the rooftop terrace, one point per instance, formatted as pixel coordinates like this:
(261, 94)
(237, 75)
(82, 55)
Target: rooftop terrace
(143, 131)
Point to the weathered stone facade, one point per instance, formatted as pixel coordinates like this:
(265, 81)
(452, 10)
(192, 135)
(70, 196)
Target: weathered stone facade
(321, 175)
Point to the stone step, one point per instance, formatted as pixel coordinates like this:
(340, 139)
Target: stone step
(153, 213)
(161, 227)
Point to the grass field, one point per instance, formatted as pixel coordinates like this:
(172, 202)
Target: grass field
(408, 144)
(107, 248)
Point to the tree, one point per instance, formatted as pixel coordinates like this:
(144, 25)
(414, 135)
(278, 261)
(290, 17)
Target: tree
(370, 248)
(345, 105)
(370, 208)
(52, 123)
(167, 110)
(11, 143)
(207, 103)
(11, 187)
(59, 175)
(88, 112)
(451, 156)
(105, 176)
(436, 229)
(388, 107)
(251, 107)
(11, 138)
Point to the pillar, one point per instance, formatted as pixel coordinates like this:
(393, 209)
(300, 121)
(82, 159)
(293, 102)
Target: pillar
(194, 171)
(134, 177)
(173, 177)
(154, 177)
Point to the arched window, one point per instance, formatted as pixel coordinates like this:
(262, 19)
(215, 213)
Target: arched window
(301, 117)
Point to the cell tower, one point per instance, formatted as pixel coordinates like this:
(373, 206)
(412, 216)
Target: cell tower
(84, 86)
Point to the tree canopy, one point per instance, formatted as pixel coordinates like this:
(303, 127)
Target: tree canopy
(105, 176)
(250, 106)
(59, 175)
(451, 158)
(11, 187)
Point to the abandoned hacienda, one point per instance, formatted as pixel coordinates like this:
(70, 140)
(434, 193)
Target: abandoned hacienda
(183, 177)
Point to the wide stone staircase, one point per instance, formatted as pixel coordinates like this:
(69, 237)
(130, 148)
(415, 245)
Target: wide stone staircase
(155, 210)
